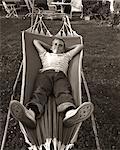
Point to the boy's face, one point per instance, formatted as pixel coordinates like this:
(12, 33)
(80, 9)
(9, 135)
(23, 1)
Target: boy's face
(58, 46)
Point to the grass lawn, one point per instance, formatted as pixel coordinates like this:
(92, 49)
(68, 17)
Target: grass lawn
(101, 65)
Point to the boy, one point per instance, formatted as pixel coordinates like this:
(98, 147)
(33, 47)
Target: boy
(52, 79)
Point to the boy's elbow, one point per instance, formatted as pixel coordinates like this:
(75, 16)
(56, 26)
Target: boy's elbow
(35, 42)
(80, 46)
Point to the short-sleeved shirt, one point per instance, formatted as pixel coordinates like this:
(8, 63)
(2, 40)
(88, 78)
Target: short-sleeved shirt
(58, 62)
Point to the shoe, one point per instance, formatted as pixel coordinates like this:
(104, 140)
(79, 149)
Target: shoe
(22, 114)
(79, 114)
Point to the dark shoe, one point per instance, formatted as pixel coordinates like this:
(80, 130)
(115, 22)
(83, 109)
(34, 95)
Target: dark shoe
(22, 114)
(79, 114)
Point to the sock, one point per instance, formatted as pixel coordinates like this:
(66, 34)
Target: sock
(69, 108)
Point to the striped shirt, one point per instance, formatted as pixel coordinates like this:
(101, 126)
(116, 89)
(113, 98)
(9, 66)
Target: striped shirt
(57, 62)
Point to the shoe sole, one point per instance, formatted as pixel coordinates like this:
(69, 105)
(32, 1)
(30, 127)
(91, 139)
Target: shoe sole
(18, 112)
(83, 112)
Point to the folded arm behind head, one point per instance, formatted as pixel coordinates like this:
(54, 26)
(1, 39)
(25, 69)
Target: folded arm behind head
(41, 46)
(73, 50)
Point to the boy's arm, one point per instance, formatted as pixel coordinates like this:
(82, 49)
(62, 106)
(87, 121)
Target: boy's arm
(75, 49)
(40, 46)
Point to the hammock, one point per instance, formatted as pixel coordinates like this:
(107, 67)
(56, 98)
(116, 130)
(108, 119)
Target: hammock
(50, 126)
(50, 132)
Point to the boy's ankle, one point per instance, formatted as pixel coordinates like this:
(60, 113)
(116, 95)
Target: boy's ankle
(32, 112)
(69, 108)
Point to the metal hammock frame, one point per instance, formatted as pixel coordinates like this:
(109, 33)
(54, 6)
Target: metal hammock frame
(50, 130)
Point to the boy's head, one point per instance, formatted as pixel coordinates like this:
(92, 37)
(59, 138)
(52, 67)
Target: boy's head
(58, 46)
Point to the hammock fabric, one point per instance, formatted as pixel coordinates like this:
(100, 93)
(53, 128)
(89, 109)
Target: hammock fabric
(50, 129)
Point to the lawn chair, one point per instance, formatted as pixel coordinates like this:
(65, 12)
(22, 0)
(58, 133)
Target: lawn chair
(50, 132)
(76, 9)
(31, 9)
(52, 13)
(10, 9)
